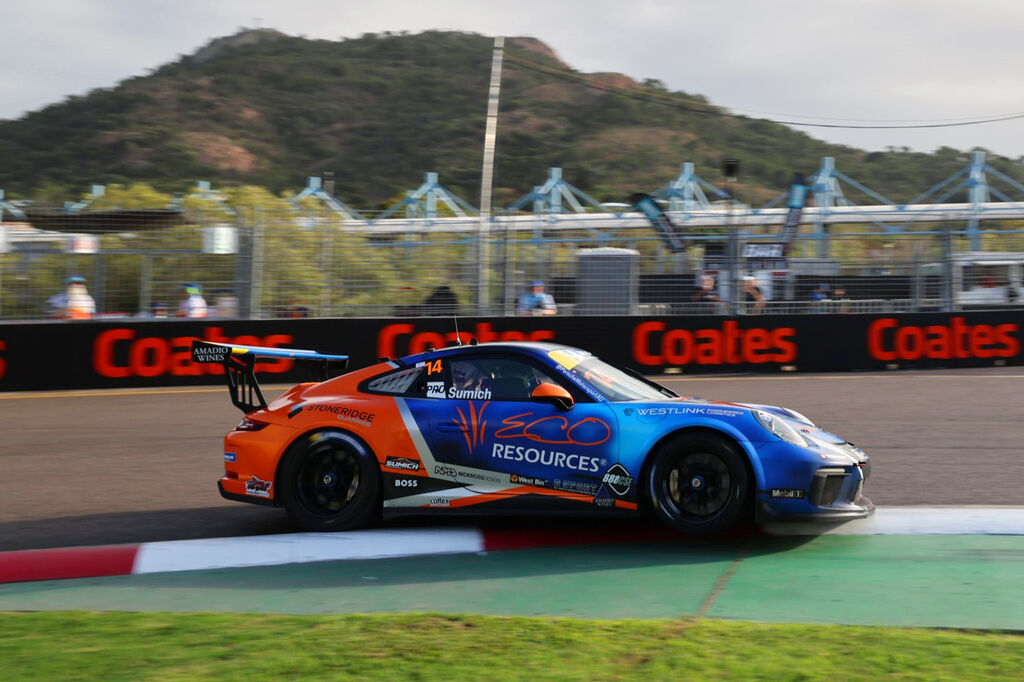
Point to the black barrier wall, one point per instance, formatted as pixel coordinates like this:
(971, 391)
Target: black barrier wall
(130, 353)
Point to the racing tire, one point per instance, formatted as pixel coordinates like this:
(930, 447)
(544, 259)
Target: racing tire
(329, 480)
(697, 484)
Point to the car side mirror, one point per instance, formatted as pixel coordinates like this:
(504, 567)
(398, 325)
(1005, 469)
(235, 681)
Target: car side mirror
(553, 394)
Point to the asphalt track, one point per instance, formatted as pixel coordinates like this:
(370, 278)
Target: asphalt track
(108, 467)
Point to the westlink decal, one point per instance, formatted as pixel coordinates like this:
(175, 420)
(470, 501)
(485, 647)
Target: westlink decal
(654, 344)
(398, 340)
(119, 353)
(889, 341)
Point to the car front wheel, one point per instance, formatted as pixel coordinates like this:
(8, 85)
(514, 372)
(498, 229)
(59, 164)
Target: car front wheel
(330, 480)
(697, 484)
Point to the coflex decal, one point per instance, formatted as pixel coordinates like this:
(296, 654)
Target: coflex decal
(890, 341)
(655, 344)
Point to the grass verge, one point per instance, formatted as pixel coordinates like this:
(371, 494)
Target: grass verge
(144, 646)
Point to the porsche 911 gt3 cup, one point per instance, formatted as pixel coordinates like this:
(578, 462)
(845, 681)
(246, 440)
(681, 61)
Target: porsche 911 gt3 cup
(521, 427)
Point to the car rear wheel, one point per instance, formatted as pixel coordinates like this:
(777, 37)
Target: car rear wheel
(698, 484)
(330, 480)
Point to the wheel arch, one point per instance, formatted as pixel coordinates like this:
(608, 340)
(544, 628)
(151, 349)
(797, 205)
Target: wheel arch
(743, 446)
(349, 436)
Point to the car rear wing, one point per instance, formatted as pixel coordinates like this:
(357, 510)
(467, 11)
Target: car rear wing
(239, 362)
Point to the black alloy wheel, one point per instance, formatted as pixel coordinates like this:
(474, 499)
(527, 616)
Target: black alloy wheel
(698, 484)
(329, 480)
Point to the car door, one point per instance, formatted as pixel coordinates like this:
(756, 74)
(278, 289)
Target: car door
(487, 427)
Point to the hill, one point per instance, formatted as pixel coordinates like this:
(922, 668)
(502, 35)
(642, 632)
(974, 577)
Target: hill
(264, 108)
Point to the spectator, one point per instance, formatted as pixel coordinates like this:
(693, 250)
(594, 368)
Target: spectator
(294, 310)
(74, 303)
(706, 293)
(192, 302)
(820, 293)
(159, 310)
(536, 302)
(753, 295)
(441, 301)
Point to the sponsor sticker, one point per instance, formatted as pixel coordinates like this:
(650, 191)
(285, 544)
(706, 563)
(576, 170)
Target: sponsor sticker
(230, 456)
(706, 411)
(464, 393)
(788, 493)
(406, 483)
(547, 457)
(441, 470)
(257, 487)
(402, 463)
(210, 353)
(527, 480)
(569, 357)
(435, 389)
(617, 479)
(439, 501)
(570, 486)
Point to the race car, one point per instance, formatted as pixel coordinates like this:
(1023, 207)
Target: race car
(521, 427)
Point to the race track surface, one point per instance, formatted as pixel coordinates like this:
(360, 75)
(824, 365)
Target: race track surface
(103, 467)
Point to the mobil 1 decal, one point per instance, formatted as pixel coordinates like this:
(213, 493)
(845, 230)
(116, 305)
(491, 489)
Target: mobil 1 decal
(532, 440)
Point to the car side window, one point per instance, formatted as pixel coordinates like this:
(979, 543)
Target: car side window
(396, 383)
(486, 378)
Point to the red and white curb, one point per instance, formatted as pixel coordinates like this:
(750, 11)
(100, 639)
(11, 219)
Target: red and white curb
(297, 548)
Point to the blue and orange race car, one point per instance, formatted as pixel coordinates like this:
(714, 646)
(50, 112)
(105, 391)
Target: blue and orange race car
(523, 427)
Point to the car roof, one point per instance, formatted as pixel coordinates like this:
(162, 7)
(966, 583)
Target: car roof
(531, 348)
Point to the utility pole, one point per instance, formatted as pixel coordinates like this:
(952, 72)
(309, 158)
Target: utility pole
(487, 177)
(730, 169)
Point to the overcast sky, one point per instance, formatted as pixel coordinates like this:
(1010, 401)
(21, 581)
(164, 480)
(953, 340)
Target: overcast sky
(864, 62)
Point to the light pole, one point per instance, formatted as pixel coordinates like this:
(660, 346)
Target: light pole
(731, 169)
(487, 176)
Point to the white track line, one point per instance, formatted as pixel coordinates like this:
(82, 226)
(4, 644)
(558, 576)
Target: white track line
(918, 521)
(297, 548)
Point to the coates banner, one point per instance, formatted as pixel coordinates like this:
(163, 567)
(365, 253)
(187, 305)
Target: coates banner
(129, 353)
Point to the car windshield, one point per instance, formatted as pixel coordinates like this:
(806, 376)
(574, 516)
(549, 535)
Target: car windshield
(611, 382)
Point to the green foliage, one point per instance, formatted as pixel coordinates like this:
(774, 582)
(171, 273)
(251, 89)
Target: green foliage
(262, 108)
(201, 646)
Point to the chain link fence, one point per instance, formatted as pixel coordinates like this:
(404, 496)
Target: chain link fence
(257, 263)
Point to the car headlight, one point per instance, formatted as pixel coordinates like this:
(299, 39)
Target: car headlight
(780, 428)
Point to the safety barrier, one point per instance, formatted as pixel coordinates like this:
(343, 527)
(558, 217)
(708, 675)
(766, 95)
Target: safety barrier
(133, 353)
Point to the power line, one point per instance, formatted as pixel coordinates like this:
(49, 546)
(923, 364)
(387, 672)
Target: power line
(671, 102)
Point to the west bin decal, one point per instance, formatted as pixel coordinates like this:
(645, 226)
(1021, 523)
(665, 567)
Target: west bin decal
(125, 353)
